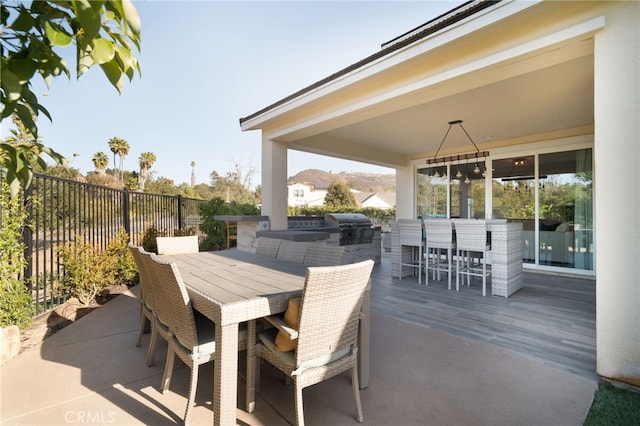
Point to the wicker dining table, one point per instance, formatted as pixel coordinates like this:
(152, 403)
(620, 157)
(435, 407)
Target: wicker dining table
(231, 287)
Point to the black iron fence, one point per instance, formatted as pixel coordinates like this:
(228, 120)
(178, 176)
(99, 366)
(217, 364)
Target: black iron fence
(62, 210)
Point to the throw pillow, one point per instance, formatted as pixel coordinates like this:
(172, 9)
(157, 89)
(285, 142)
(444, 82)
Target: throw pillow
(291, 316)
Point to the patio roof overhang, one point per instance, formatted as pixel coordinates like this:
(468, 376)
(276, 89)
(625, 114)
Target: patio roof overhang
(509, 80)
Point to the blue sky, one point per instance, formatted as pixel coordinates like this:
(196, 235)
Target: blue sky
(204, 65)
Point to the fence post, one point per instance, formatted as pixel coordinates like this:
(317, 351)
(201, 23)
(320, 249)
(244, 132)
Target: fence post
(27, 235)
(180, 211)
(126, 220)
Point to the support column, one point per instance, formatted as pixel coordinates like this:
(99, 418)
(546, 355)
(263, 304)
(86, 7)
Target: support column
(405, 198)
(617, 202)
(274, 183)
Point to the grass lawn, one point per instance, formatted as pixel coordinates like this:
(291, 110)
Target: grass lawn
(614, 406)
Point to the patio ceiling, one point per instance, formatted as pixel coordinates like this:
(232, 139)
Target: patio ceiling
(393, 112)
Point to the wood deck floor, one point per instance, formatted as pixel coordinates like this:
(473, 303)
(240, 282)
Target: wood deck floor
(552, 318)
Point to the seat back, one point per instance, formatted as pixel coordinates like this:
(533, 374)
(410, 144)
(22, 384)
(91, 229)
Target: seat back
(177, 245)
(146, 287)
(292, 251)
(322, 255)
(471, 234)
(181, 320)
(410, 231)
(330, 309)
(439, 233)
(268, 246)
(161, 306)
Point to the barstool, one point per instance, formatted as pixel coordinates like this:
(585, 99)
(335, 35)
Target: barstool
(471, 237)
(411, 235)
(439, 237)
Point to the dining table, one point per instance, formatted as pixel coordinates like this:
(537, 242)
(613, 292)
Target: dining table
(231, 287)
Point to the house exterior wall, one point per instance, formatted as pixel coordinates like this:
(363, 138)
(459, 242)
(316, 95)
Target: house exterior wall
(514, 38)
(311, 197)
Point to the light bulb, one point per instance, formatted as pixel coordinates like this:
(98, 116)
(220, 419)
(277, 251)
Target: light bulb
(476, 169)
(459, 174)
(467, 180)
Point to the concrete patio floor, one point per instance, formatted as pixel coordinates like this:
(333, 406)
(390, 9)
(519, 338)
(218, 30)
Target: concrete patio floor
(91, 372)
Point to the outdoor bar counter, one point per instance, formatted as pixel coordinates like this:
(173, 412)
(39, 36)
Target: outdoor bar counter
(505, 257)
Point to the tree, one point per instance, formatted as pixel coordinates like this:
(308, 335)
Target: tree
(339, 195)
(193, 174)
(100, 161)
(119, 147)
(103, 32)
(146, 161)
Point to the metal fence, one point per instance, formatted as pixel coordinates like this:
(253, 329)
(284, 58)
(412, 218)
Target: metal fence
(61, 210)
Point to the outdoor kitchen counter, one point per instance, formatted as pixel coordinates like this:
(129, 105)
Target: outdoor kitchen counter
(297, 234)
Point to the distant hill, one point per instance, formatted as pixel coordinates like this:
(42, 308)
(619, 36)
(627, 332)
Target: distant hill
(366, 182)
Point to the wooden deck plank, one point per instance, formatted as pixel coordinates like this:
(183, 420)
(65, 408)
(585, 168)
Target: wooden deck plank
(552, 318)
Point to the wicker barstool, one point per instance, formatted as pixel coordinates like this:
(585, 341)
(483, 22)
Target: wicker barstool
(411, 235)
(439, 233)
(471, 237)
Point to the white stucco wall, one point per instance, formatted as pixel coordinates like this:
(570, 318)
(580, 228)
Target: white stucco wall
(617, 199)
(405, 193)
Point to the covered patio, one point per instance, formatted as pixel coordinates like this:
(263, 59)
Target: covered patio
(437, 357)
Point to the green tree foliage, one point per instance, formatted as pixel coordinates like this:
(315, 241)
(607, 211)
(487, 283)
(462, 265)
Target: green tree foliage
(15, 301)
(216, 230)
(233, 187)
(119, 147)
(146, 161)
(339, 195)
(100, 162)
(103, 32)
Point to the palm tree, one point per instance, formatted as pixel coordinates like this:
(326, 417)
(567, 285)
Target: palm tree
(100, 161)
(121, 148)
(146, 161)
(193, 174)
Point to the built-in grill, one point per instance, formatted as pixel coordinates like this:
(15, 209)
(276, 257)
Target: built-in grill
(354, 228)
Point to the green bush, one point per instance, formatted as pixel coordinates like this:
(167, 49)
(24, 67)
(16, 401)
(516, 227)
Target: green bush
(125, 270)
(216, 230)
(87, 271)
(15, 300)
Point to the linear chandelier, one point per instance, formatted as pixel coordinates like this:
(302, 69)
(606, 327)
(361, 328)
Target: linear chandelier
(468, 156)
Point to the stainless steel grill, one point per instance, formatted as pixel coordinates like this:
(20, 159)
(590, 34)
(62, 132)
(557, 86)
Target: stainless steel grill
(354, 228)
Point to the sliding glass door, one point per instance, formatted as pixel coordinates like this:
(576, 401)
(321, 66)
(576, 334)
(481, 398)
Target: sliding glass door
(553, 200)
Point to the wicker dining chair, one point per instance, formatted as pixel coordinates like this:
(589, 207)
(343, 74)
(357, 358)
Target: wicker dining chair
(439, 237)
(146, 294)
(327, 336)
(177, 245)
(322, 255)
(268, 246)
(472, 240)
(292, 251)
(161, 309)
(192, 337)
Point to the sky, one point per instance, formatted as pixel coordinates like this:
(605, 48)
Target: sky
(206, 64)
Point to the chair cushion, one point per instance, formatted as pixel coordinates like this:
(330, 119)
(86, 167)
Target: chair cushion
(267, 338)
(283, 343)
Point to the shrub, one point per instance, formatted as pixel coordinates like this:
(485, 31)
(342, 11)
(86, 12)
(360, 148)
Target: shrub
(15, 300)
(125, 270)
(216, 230)
(87, 271)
